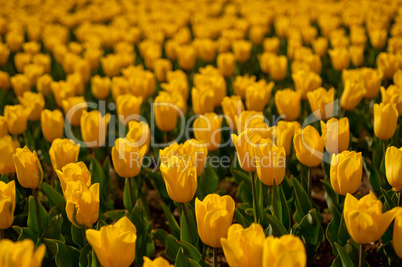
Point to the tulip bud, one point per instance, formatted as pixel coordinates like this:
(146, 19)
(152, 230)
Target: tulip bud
(387, 64)
(264, 59)
(226, 64)
(21, 253)
(186, 56)
(257, 33)
(372, 81)
(43, 84)
(52, 124)
(378, 38)
(142, 84)
(322, 102)
(21, 60)
(271, 45)
(114, 245)
(4, 80)
(120, 86)
(278, 67)
(17, 119)
(336, 135)
(364, 218)
(62, 90)
(73, 108)
(7, 207)
(100, 87)
(241, 83)
(285, 132)
(162, 67)
(43, 60)
(111, 65)
(320, 46)
(287, 250)
(34, 104)
(210, 79)
(8, 146)
(157, 262)
(139, 133)
(94, 128)
(353, 93)
(177, 85)
(356, 55)
(244, 247)
(232, 106)
(244, 144)
(214, 216)
(393, 167)
(127, 157)
(198, 151)
(4, 53)
(63, 152)
(3, 126)
(258, 95)
(128, 107)
(180, 178)
(14, 41)
(397, 78)
(20, 84)
(397, 235)
(340, 58)
(241, 50)
(207, 128)
(385, 120)
(165, 107)
(392, 95)
(346, 172)
(75, 80)
(33, 72)
(306, 82)
(287, 103)
(82, 206)
(206, 49)
(309, 146)
(28, 167)
(248, 119)
(73, 172)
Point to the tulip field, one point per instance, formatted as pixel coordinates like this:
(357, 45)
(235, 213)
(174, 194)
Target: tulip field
(200, 133)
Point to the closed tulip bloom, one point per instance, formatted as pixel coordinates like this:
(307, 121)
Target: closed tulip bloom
(372, 82)
(321, 102)
(162, 67)
(241, 83)
(385, 120)
(306, 81)
(3, 126)
(127, 157)
(120, 86)
(248, 119)
(232, 106)
(7, 204)
(397, 235)
(62, 152)
(340, 58)
(20, 84)
(33, 72)
(387, 64)
(393, 167)
(94, 128)
(111, 65)
(82, 206)
(73, 172)
(4, 53)
(397, 78)
(165, 107)
(207, 128)
(346, 172)
(378, 38)
(75, 80)
(198, 151)
(258, 95)
(287, 103)
(209, 78)
(139, 132)
(177, 85)
(128, 107)
(43, 84)
(186, 56)
(28, 167)
(8, 146)
(180, 178)
(309, 146)
(320, 46)
(158, 262)
(241, 50)
(61, 91)
(21, 60)
(271, 45)
(278, 67)
(257, 33)
(336, 135)
(245, 143)
(244, 247)
(226, 64)
(206, 49)
(285, 130)
(214, 216)
(364, 218)
(52, 124)
(114, 245)
(393, 95)
(287, 250)
(4, 80)
(73, 108)
(14, 41)
(17, 119)
(100, 87)
(34, 104)
(270, 162)
(356, 55)
(264, 60)
(21, 253)
(353, 93)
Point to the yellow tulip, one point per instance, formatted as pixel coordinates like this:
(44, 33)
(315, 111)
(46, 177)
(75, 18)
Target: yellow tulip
(397, 78)
(94, 128)
(176, 84)
(306, 81)
(271, 45)
(209, 78)
(165, 107)
(393, 166)
(14, 40)
(73, 108)
(20, 61)
(203, 100)
(186, 56)
(340, 58)
(257, 33)
(248, 119)
(28, 167)
(385, 120)
(244, 144)
(287, 103)
(139, 132)
(62, 152)
(387, 64)
(278, 67)
(158, 262)
(128, 107)
(17, 119)
(111, 65)
(397, 235)
(4, 53)
(364, 218)
(232, 106)
(392, 95)
(120, 86)
(73, 172)
(206, 49)
(264, 60)
(285, 132)
(378, 38)
(127, 157)
(33, 72)
(52, 124)
(7, 204)
(309, 146)
(21, 253)
(82, 206)
(61, 91)
(214, 216)
(353, 93)
(320, 46)
(20, 84)
(321, 102)
(270, 162)
(8, 146)
(34, 104)
(356, 55)
(241, 83)
(241, 50)
(162, 67)
(43, 60)
(4, 80)
(226, 64)
(258, 95)
(100, 87)
(43, 84)
(244, 247)
(3, 126)
(287, 250)
(180, 178)
(336, 135)
(75, 80)
(372, 81)
(346, 172)
(114, 245)
(207, 128)
(198, 151)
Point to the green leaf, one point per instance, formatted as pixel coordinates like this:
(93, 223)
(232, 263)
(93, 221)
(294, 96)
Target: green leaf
(303, 202)
(310, 227)
(374, 177)
(188, 229)
(276, 227)
(343, 234)
(331, 197)
(169, 242)
(241, 219)
(346, 261)
(157, 182)
(208, 181)
(53, 231)
(66, 256)
(53, 196)
(174, 227)
(286, 221)
(32, 218)
(333, 227)
(181, 260)
(276, 203)
(85, 256)
(388, 199)
(190, 251)
(76, 235)
(114, 215)
(25, 233)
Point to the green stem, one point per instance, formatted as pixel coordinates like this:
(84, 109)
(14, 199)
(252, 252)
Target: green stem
(384, 147)
(400, 198)
(361, 258)
(215, 257)
(130, 191)
(84, 239)
(35, 195)
(188, 222)
(254, 197)
(309, 182)
(165, 137)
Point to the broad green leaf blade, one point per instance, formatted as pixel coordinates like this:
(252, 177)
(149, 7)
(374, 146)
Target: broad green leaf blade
(53, 196)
